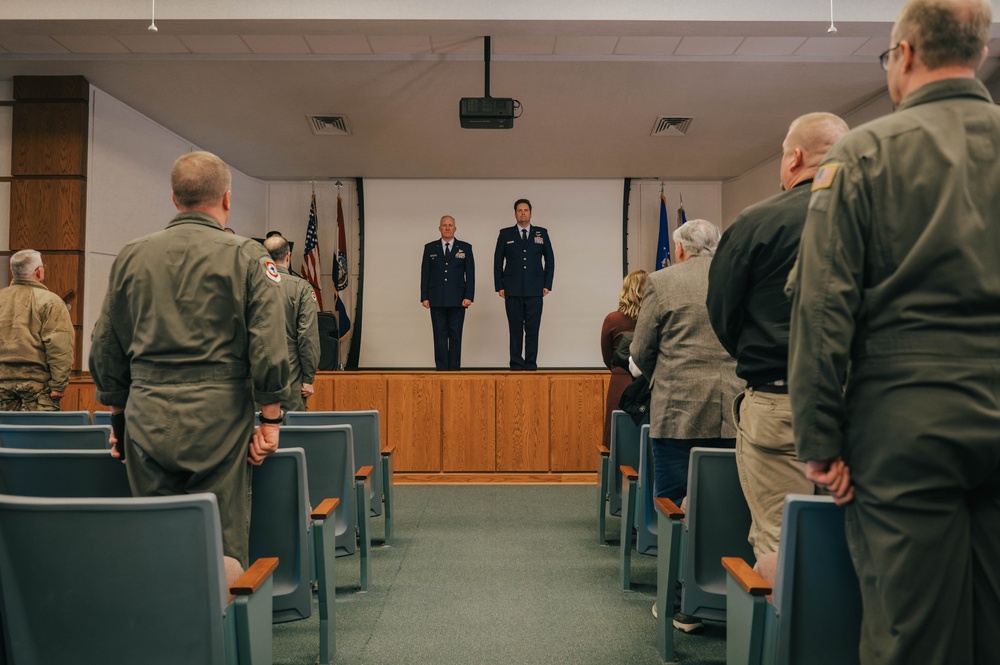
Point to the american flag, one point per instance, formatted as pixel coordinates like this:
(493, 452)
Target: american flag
(310, 258)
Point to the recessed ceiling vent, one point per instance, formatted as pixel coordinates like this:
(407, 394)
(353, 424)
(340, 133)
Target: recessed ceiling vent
(329, 125)
(670, 126)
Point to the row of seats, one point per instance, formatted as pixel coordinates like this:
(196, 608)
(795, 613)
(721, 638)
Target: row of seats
(704, 548)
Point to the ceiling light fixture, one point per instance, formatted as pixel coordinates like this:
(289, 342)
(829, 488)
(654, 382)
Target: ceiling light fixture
(831, 29)
(152, 20)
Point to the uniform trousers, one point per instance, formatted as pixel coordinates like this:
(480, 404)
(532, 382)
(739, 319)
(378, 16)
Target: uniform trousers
(27, 396)
(765, 459)
(447, 323)
(524, 317)
(922, 441)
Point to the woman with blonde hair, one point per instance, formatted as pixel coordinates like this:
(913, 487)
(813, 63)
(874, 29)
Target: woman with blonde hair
(615, 324)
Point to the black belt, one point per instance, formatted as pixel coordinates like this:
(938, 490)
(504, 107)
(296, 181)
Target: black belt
(771, 388)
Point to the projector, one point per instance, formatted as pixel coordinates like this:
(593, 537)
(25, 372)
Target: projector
(486, 112)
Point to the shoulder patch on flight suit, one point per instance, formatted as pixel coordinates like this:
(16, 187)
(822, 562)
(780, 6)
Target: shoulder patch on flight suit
(824, 177)
(271, 271)
(313, 294)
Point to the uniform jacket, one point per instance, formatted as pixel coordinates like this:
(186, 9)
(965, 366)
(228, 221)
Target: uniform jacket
(692, 377)
(446, 283)
(301, 333)
(746, 284)
(523, 269)
(36, 335)
(899, 254)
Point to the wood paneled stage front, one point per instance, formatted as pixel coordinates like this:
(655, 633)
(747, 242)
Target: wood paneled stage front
(470, 426)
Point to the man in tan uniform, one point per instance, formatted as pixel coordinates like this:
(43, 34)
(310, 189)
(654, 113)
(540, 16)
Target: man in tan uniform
(191, 329)
(897, 297)
(36, 339)
(301, 329)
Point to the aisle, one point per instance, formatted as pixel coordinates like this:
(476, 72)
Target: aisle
(494, 574)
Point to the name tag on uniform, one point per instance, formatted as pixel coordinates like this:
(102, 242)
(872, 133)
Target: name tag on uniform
(434, 256)
(510, 242)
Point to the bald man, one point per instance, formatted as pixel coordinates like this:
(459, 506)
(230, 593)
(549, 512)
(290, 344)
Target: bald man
(897, 299)
(750, 314)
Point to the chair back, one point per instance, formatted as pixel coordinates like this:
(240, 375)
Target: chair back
(97, 581)
(816, 591)
(330, 466)
(279, 528)
(646, 521)
(62, 473)
(367, 442)
(53, 418)
(718, 522)
(49, 437)
(624, 451)
(102, 418)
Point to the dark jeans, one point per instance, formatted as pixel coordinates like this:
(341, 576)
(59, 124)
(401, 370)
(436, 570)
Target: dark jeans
(670, 464)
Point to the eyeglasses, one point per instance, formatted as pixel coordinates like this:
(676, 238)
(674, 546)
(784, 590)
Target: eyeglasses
(883, 58)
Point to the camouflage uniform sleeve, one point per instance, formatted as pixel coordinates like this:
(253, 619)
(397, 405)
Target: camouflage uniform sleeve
(265, 321)
(109, 364)
(58, 339)
(308, 333)
(826, 287)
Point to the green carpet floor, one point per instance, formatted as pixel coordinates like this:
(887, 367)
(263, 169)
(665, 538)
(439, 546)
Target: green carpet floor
(495, 574)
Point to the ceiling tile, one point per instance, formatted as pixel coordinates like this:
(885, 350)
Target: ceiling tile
(647, 45)
(153, 44)
(769, 45)
(342, 44)
(831, 45)
(585, 45)
(382, 44)
(708, 46)
(276, 43)
(873, 46)
(214, 44)
(524, 45)
(31, 44)
(91, 44)
(469, 45)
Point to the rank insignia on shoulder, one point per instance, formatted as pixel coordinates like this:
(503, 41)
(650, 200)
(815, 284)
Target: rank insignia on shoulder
(271, 271)
(824, 176)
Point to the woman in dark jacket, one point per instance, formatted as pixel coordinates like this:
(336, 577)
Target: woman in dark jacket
(620, 321)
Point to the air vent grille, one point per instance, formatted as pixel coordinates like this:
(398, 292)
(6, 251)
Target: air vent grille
(665, 126)
(329, 125)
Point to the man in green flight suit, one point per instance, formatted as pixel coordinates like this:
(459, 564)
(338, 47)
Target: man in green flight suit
(897, 297)
(191, 330)
(301, 329)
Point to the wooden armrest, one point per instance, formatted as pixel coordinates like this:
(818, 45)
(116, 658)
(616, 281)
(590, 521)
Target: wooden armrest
(255, 575)
(363, 473)
(324, 509)
(603, 450)
(752, 583)
(388, 450)
(668, 508)
(628, 473)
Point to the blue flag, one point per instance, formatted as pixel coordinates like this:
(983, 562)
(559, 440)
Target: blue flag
(663, 242)
(681, 216)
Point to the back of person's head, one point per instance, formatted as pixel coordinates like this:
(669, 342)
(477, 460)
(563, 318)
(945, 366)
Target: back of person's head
(630, 299)
(199, 179)
(277, 247)
(945, 32)
(700, 237)
(815, 134)
(24, 263)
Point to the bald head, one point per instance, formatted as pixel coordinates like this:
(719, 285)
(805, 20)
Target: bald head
(277, 247)
(809, 138)
(198, 180)
(945, 33)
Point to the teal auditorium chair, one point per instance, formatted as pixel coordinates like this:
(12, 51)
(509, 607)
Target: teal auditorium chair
(330, 469)
(46, 437)
(98, 581)
(368, 451)
(279, 527)
(638, 514)
(102, 418)
(624, 451)
(815, 615)
(53, 418)
(62, 473)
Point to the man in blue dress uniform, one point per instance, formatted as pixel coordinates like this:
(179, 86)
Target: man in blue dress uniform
(447, 288)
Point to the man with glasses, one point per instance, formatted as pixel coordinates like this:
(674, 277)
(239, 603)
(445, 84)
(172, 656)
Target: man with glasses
(36, 339)
(897, 298)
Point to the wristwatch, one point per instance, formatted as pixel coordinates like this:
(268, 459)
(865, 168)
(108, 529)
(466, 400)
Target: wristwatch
(271, 421)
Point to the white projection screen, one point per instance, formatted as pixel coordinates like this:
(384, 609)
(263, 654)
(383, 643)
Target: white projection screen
(584, 220)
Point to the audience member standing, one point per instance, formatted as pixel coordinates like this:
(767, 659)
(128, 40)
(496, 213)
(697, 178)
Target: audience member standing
(191, 330)
(447, 289)
(897, 298)
(36, 339)
(750, 315)
(523, 267)
(616, 324)
(301, 329)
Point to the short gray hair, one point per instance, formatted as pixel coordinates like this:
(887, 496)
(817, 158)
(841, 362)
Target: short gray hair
(946, 32)
(25, 262)
(199, 178)
(700, 237)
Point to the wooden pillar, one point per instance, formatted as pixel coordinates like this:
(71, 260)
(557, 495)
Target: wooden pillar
(48, 194)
